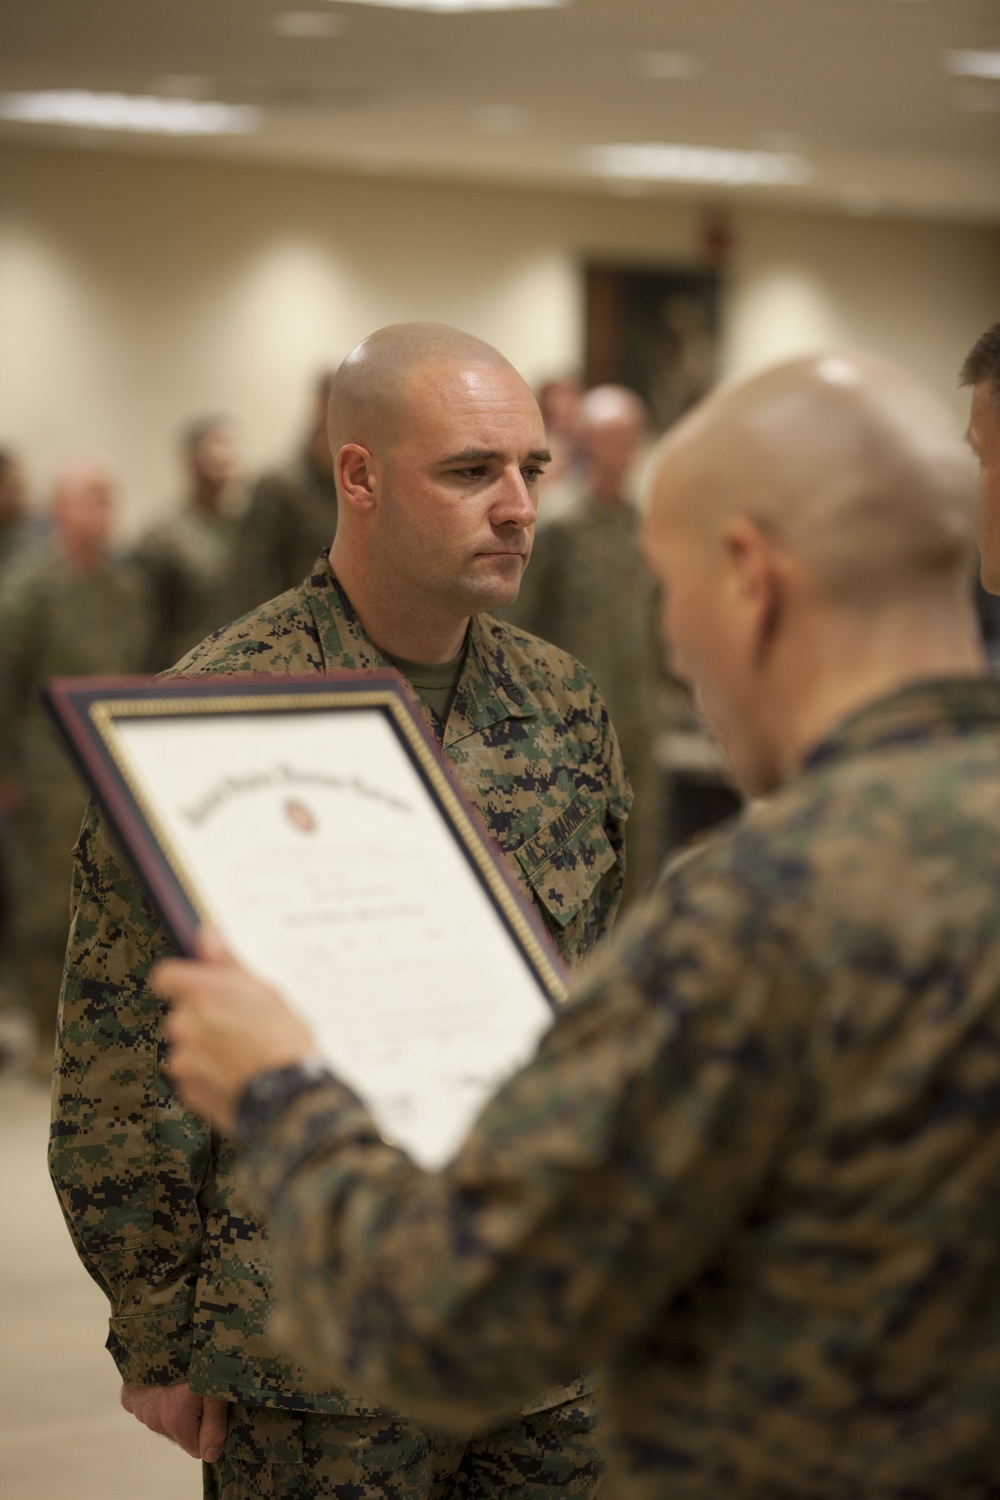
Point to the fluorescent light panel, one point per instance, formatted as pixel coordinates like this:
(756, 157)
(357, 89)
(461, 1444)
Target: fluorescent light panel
(453, 7)
(653, 162)
(973, 64)
(144, 113)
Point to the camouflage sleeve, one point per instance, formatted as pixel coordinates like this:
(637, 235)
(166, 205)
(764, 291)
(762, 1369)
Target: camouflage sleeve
(597, 1184)
(127, 1163)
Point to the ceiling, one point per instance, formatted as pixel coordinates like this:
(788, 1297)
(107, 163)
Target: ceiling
(856, 87)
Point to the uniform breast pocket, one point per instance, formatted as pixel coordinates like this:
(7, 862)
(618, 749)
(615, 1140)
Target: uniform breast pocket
(565, 860)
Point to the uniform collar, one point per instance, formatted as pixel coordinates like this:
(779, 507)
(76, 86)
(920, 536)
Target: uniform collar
(489, 689)
(935, 708)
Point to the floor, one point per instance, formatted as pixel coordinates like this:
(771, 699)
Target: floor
(62, 1432)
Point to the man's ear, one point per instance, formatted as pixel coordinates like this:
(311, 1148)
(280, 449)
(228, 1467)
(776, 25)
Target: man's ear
(755, 580)
(354, 470)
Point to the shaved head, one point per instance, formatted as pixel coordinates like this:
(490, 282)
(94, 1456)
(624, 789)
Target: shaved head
(813, 532)
(439, 448)
(375, 394)
(83, 510)
(613, 403)
(848, 460)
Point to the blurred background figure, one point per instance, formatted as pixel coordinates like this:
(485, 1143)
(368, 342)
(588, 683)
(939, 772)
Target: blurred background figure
(70, 606)
(560, 402)
(188, 558)
(588, 590)
(15, 529)
(15, 526)
(292, 516)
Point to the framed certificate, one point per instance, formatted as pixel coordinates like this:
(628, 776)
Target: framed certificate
(315, 823)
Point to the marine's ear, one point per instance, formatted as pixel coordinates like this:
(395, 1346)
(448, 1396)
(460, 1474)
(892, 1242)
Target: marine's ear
(354, 469)
(755, 584)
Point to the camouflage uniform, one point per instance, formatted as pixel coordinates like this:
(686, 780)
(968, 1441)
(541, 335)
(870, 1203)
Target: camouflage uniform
(152, 1203)
(54, 621)
(588, 590)
(15, 536)
(292, 515)
(189, 560)
(751, 1174)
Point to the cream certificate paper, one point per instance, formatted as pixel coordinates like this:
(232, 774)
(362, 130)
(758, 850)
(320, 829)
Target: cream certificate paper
(318, 852)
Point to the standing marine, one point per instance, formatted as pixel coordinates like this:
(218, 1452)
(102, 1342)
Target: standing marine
(440, 447)
(68, 606)
(291, 517)
(589, 591)
(188, 556)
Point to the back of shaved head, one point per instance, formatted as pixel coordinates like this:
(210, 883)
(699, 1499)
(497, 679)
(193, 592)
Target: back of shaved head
(848, 460)
(371, 391)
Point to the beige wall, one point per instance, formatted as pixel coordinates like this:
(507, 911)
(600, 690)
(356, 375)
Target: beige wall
(138, 291)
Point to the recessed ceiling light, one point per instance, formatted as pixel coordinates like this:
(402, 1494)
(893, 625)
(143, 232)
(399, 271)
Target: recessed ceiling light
(670, 66)
(973, 64)
(454, 6)
(144, 113)
(308, 24)
(502, 119)
(655, 162)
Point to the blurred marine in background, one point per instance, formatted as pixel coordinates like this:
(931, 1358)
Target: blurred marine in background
(981, 371)
(15, 527)
(588, 590)
(188, 557)
(70, 606)
(291, 517)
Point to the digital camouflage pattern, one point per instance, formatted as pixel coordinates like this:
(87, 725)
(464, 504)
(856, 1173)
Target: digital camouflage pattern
(150, 1197)
(588, 590)
(291, 517)
(278, 1455)
(750, 1176)
(54, 621)
(188, 558)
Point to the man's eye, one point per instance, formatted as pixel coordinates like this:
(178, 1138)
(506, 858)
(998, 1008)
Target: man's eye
(532, 473)
(474, 473)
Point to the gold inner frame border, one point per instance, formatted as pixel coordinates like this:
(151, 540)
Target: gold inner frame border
(105, 711)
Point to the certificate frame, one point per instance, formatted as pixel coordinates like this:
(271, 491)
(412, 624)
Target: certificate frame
(88, 710)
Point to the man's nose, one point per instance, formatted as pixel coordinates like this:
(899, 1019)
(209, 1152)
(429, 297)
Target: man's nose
(516, 504)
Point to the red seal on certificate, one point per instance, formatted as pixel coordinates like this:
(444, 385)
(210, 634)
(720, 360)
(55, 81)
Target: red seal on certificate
(298, 813)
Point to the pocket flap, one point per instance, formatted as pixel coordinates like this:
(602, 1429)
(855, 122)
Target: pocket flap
(565, 859)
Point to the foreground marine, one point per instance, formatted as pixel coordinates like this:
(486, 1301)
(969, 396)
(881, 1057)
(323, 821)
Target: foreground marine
(751, 1174)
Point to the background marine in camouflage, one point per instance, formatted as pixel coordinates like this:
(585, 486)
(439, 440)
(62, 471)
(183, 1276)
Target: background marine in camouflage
(751, 1173)
(292, 515)
(68, 606)
(154, 1207)
(188, 556)
(589, 591)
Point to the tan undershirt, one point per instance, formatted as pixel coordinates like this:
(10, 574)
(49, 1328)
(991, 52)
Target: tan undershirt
(434, 683)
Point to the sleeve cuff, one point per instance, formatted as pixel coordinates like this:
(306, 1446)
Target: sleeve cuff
(314, 1117)
(150, 1348)
(267, 1096)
